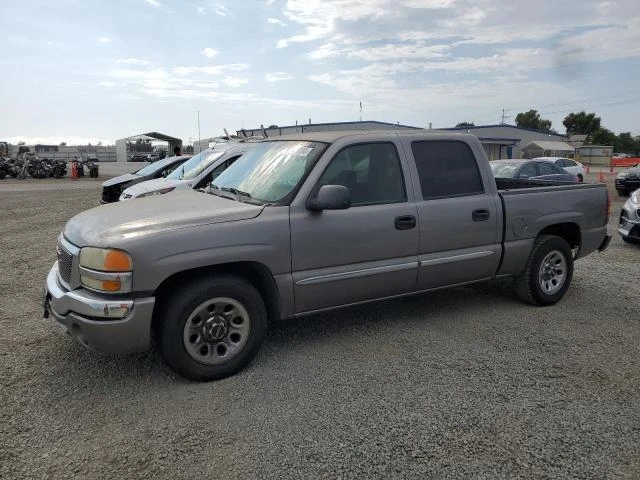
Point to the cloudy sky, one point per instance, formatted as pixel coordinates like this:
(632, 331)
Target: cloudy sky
(80, 70)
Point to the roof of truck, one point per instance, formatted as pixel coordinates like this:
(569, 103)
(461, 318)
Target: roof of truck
(330, 137)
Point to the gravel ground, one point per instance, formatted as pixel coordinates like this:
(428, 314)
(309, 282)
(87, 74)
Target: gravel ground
(465, 383)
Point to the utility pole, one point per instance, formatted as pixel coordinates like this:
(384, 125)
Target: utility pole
(360, 111)
(199, 143)
(504, 111)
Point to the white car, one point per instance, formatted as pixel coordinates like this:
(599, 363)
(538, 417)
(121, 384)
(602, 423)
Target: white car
(197, 172)
(569, 165)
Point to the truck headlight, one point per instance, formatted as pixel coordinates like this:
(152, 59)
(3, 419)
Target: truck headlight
(622, 175)
(105, 269)
(157, 192)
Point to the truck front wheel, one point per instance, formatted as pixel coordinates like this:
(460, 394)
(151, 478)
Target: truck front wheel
(212, 328)
(548, 272)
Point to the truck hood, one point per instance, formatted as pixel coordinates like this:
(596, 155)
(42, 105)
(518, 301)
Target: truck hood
(151, 186)
(112, 224)
(127, 177)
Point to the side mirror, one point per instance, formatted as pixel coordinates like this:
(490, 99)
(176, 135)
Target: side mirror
(330, 197)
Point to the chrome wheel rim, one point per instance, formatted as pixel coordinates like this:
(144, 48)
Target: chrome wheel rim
(216, 331)
(553, 272)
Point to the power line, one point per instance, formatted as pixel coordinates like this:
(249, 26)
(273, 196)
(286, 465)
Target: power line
(556, 104)
(633, 100)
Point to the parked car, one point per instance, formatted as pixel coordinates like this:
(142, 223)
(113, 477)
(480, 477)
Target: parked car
(138, 157)
(628, 180)
(152, 157)
(567, 164)
(197, 172)
(541, 170)
(629, 227)
(291, 229)
(113, 188)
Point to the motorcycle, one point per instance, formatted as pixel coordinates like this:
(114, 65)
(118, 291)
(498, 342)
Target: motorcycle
(93, 168)
(58, 168)
(3, 167)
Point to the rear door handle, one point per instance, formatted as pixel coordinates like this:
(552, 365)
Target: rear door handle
(405, 222)
(480, 215)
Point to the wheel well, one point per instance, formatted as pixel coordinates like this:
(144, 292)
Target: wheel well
(255, 273)
(569, 231)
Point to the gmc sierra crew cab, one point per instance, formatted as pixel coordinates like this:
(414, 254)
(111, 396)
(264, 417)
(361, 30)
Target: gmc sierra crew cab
(307, 223)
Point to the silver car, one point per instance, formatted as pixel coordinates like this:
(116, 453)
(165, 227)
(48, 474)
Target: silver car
(629, 227)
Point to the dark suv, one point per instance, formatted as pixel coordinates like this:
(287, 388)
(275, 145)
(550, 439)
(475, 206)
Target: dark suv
(628, 180)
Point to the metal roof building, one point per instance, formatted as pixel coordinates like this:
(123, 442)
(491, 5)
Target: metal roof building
(507, 141)
(121, 144)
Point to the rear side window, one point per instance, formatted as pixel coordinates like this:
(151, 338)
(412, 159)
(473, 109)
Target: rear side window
(446, 169)
(528, 170)
(548, 168)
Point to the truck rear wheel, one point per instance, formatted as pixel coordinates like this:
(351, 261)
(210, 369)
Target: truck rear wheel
(212, 328)
(548, 272)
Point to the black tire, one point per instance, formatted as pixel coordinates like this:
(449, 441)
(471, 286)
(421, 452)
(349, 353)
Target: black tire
(627, 240)
(580, 178)
(3, 173)
(623, 193)
(528, 286)
(176, 310)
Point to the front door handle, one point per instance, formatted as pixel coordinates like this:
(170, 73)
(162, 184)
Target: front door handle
(405, 222)
(480, 215)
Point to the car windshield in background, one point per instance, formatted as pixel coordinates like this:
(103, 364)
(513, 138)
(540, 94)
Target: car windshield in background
(271, 171)
(504, 170)
(152, 168)
(195, 165)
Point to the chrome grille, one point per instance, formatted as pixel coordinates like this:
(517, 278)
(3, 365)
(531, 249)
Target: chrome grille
(65, 262)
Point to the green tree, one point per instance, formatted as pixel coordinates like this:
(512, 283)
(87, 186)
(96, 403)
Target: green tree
(581, 123)
(465, 124)
(625, 143)
(602, 136)
(532, 119)
(63, 144)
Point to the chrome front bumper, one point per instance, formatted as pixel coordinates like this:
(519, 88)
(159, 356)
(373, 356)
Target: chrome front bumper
(99, 322)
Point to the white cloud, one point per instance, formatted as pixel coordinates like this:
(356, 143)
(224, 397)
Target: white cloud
(209, 52)
(201, 10)
(234, 82)
(211, 69)
(154, 3)
(104, 40)
(107, 83)
(277, 76)
(276, 21)
(132, 61)
(220, 10)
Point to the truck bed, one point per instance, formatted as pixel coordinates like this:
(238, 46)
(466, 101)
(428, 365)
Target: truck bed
(529, 209)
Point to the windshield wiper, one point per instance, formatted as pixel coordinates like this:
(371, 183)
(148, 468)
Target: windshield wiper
(236, 191)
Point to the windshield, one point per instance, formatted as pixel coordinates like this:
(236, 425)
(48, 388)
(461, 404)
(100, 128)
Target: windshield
(195, 165)
(273, 170)
(151, 168)
(504, 170)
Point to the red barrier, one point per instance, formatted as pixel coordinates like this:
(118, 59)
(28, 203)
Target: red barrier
(624, 162)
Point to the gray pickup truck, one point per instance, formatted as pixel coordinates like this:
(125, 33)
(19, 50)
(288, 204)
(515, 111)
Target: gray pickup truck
(308, 223)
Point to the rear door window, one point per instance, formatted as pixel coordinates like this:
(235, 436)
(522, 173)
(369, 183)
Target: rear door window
(548, 169)
(528, 170)
(446, 169)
